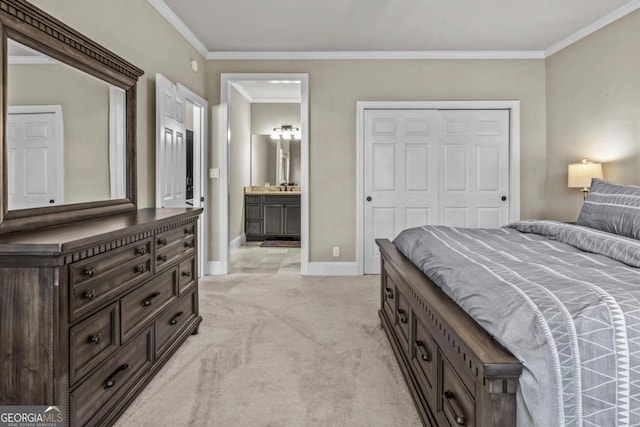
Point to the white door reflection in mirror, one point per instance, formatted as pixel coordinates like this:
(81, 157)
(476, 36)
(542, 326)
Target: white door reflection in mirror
(35, 156)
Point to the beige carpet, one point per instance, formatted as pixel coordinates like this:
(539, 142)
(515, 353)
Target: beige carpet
(281, 350)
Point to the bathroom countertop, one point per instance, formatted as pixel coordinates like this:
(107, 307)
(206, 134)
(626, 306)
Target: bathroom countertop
(272, 193)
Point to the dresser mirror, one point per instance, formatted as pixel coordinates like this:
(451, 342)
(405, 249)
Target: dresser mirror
(69, 123)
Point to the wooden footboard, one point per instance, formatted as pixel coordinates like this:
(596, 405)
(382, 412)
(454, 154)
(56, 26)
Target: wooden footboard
(456, 373)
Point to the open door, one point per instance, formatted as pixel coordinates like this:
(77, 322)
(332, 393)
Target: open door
(171, 146)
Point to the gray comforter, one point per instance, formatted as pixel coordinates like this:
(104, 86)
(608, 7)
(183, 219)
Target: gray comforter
(565, 300)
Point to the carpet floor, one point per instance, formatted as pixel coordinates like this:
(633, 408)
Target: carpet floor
(281, 350)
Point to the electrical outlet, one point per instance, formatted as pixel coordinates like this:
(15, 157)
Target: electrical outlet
(336, 251)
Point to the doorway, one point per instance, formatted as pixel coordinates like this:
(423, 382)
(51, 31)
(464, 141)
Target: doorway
(264, 204)
(442, 163)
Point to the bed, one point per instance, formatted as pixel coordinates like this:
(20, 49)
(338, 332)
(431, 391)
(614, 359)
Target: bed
(533, 324)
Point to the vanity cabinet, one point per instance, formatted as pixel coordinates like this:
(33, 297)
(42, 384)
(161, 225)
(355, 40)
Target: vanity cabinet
(272, 216)
(90, 311)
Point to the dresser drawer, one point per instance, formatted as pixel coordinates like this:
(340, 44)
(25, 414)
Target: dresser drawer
(142, 304)
(187, 274)
(424, 358)
(174, 244)
(93, 340)
(92, 293)
(402, 321)
(456, 403)
(173, 321)
(96, 395)
(253, 212)
(388, 298)
(109, 262)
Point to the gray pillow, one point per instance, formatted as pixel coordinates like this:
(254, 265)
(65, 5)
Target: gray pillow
(612, 208)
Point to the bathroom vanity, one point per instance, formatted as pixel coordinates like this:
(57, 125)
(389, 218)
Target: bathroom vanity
(272, 214)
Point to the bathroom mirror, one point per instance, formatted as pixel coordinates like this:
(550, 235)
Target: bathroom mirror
(69, 123)
(275, 161)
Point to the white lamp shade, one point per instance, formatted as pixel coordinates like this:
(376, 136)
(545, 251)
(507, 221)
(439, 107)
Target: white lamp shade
(580, 174)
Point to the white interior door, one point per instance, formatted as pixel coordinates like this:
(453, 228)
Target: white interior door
(400, 173)
(439, 167)
(474, 177)
(171, 147)
(35, 157)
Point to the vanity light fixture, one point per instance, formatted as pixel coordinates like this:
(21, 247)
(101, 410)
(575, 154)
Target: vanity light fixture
(286, 132)
(580, 175)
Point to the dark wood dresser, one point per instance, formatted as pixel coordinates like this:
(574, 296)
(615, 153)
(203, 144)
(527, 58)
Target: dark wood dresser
(90, 311)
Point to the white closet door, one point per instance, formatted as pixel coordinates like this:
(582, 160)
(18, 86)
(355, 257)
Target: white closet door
(474, 174)
(171, 146)
(400, 173)
(34, 159)
(438, 167)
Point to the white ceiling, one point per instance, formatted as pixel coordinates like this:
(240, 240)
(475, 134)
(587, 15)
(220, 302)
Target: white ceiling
(264, 91)
(389, 25)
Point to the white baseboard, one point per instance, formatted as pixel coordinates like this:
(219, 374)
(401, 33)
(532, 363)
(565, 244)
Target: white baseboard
(333, 269)
(238, 241)
(215, 268)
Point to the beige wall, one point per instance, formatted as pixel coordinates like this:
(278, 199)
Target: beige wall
(593, 111)
(138, 33)
(334, 88)
(85, 115)
(266, 116)
(239, 161)
(263, 160)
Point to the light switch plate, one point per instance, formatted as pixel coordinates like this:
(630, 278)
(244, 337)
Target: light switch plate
(214, 173)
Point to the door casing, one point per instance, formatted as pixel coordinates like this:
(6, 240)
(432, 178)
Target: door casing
(226, 80)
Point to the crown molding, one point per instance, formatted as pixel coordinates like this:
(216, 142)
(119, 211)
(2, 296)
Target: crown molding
(346, 55)
(180, 26)
(592, 28)
(242, 92)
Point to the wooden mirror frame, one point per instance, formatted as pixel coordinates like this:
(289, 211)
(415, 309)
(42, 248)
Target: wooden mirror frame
(29, 25)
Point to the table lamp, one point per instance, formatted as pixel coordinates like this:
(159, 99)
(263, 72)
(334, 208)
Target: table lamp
(580, 175)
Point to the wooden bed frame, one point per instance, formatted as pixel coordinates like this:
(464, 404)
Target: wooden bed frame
(457, 374)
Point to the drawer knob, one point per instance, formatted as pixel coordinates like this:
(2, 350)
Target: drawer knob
(141, 250)
(162, 241)
(424, 354)
(403, 316)
(188, 245)
(449, 399)
(111, 381)
(174, 319)
(90, 272)
(162, 258)
(89, 294)
(186, 273)
(188, 230)
(389, 293)
(95, 339)
(140, 269)
(147, 301)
